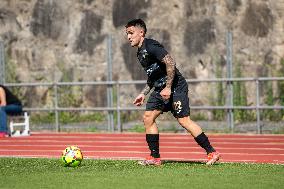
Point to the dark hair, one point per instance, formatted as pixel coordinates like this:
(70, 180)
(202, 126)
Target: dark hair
(137, 22)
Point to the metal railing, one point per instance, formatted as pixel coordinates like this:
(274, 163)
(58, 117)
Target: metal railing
(2, 63)
(118, 107)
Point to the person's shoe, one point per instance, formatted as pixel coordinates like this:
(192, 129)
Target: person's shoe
(213, 158)
(150, 161)
(2, 134)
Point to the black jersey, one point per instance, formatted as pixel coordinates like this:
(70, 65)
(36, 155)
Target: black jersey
(150, 56)
(10, 98)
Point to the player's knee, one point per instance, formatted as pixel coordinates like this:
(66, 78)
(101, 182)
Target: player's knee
(148, 119)
(184, 121)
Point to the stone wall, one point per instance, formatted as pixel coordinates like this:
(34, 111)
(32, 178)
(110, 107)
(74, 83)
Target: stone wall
(50, 40)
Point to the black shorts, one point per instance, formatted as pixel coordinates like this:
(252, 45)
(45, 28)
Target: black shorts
(178, 103)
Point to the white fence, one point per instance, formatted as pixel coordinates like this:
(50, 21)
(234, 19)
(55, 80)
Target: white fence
(116, 85)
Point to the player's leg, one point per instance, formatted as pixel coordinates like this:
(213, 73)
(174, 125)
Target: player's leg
(13, 109)
(181, 110)
(4, 111)
(190, 126)
(154, 107)
(149, 118)
(200, 137)
(3, 122)
(152, 133)
(196, 131)
(152, 137)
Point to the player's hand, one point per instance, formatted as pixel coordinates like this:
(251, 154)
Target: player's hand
(139, 100)
(166, 93)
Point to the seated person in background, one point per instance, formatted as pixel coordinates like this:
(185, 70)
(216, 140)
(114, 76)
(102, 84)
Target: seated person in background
(9, 104)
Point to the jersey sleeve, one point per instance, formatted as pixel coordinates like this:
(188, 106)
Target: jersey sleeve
(157, 50)
(150, 83)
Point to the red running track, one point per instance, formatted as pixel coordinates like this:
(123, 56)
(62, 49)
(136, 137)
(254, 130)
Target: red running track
(176, 147)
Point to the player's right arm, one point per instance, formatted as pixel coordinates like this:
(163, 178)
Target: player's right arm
(146, 89)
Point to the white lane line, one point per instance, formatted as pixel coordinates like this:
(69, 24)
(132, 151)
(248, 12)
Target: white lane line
(122, 151)
(132, 142)
(280, 139)
(138, 146)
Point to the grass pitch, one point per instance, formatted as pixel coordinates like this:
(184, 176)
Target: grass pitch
(49, 173)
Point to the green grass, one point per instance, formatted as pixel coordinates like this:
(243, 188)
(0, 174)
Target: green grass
(49, 173)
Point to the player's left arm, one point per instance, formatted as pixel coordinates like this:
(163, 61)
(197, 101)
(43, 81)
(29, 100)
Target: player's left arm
(170, 67)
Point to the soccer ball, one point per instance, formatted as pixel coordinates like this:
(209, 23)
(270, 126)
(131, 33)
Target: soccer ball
(72, 156)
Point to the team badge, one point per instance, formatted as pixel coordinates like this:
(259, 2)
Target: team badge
(177, 106)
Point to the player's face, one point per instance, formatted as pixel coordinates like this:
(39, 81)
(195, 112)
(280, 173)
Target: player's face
(135, 36)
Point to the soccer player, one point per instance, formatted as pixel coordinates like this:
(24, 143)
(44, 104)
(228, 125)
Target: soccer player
(170, 93)
(9, 104)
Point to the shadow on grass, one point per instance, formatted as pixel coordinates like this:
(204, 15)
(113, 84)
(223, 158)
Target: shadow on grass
(188, 162)
(181, 162)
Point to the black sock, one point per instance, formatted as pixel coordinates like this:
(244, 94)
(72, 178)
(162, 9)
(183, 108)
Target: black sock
(153, 143)
(203, 141)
